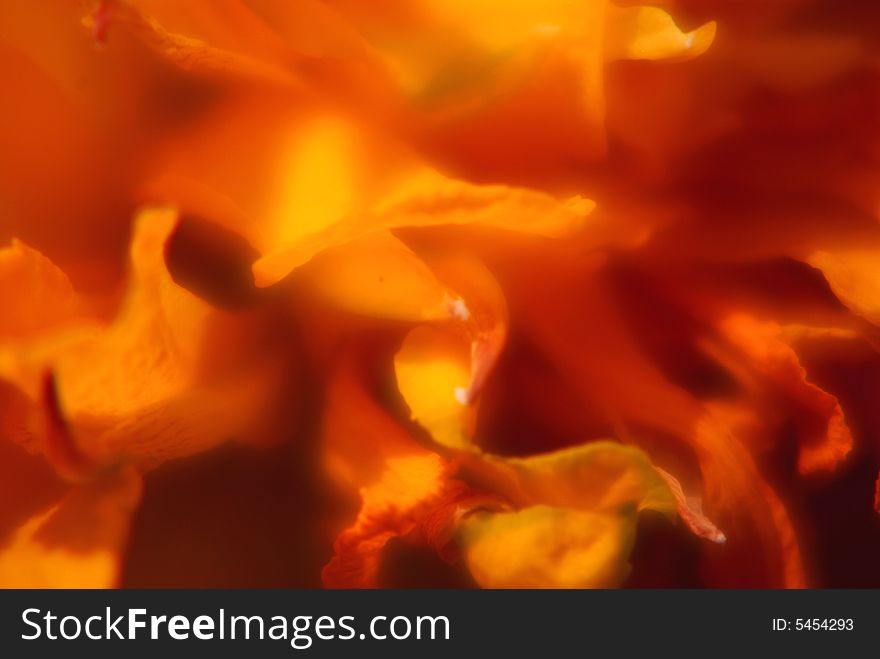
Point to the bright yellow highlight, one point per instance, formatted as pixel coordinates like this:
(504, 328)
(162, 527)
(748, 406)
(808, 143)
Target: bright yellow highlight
(576, 522)
(320, 179)
(413, 196)
(650, 33)
(545, 547)
(432, 374)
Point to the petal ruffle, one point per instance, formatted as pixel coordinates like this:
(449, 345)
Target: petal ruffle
(140, 388)
(391, 508)
(763, 345)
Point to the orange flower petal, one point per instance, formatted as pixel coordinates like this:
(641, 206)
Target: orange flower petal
(759, 528)
(547, 547)
(650, 33)
(409, 196)
(764, 347)
(330, 179)
(34, 294)
(76, 542)
(378, 275)
(358, 436)
(690, 511)
(441, 370)
(635, 392)
(854, 276)
(204, 39)
(483, 319)
(575, 526)
(392, 507)
(433, 374)
(133, 389)
(597, 476)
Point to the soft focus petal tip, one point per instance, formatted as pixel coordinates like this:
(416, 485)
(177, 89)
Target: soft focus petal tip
(649, 33)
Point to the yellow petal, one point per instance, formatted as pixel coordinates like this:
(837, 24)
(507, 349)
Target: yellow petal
(483, 316)
(433, 375)
(429, 198)
(76, 543)
(547, 547)
(575, 523)
(441, 370)
(391, 507)
(650, 33)
(854, 276)
(378, 275)
(322, 177)
(328, 179)
(598, 476)
(326, 195)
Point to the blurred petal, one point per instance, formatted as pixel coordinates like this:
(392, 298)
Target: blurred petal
(433, 374)
(392, 507)
(441, 370)
(378, 275)
(328, 178)
(596, 476)
(599, 485)
(690, 510)
(483, 316)
(78, 541)
(134, 389)
(757, 524)
(650, 33)
(633, 391)
(402, 193)
(476, 73)
(437, 49)
(854, 276)
(580, 503)
(822, 448)
(358, 436)
(212, 39)
(71, 120)
(546, 547)
(575, 523)
(36, 295)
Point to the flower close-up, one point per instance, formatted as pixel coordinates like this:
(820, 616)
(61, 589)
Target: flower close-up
(439, 294)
